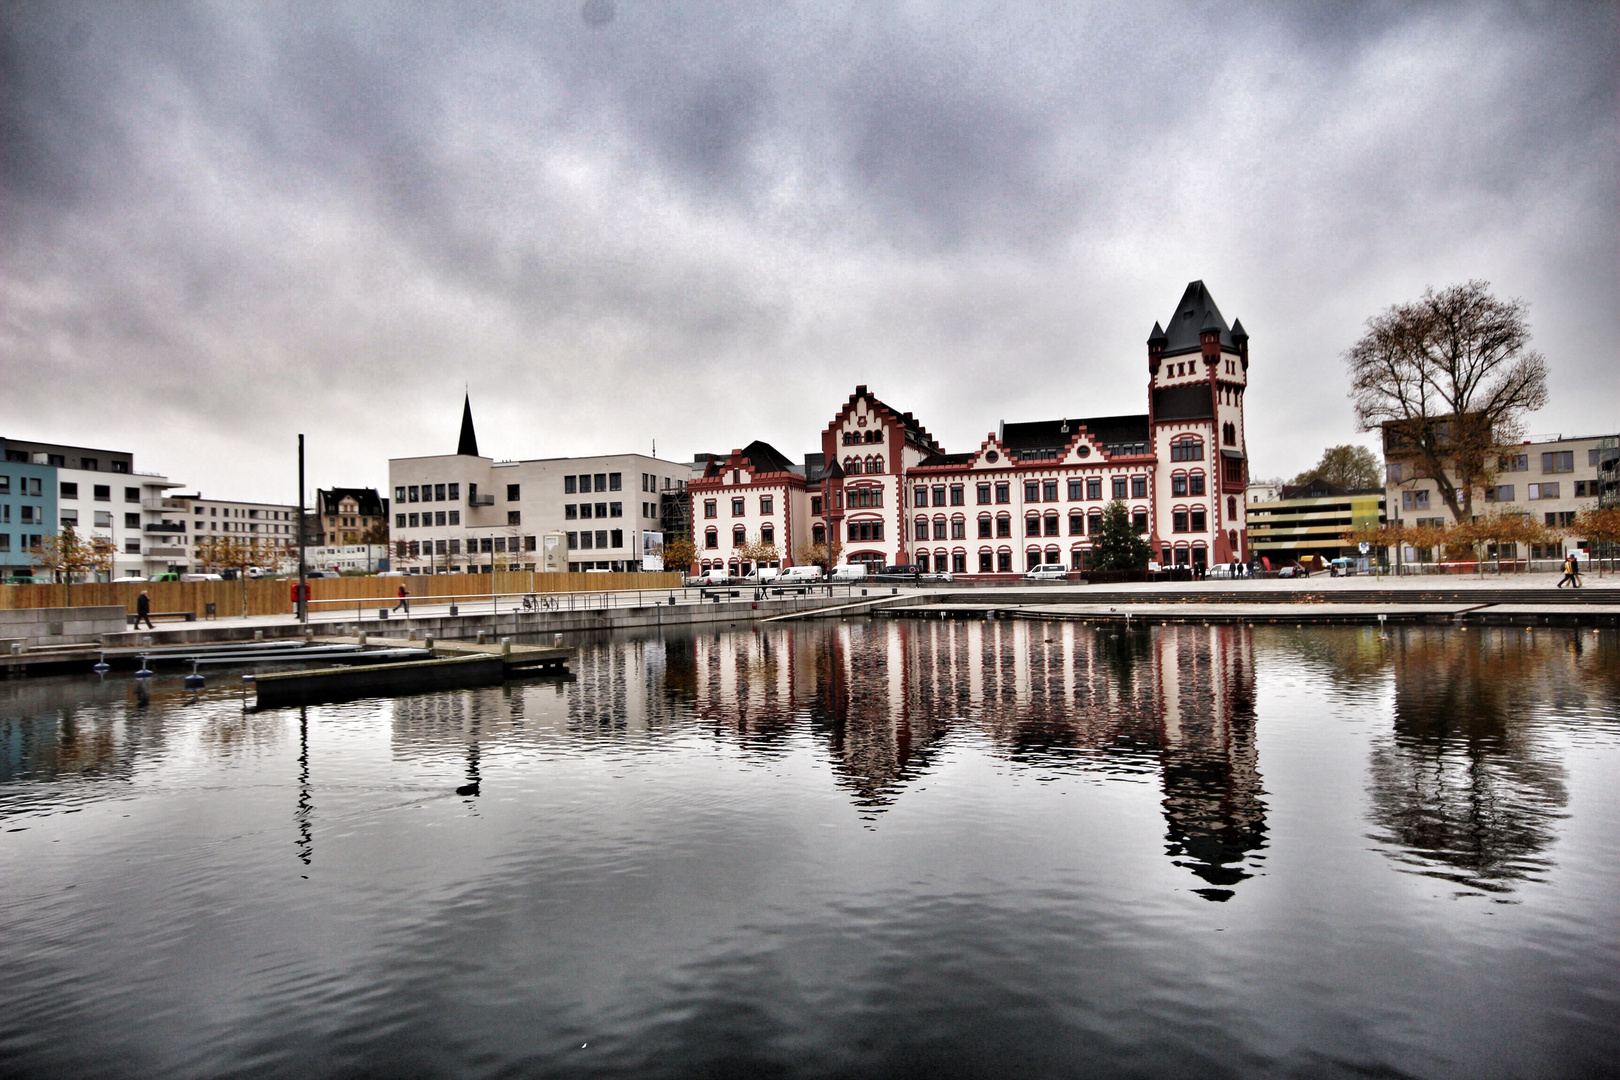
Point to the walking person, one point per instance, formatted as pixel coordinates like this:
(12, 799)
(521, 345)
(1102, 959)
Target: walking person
(1572, 572)
(143, 610)
(404, 600)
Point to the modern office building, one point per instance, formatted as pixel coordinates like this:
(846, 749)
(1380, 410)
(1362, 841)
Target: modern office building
(1311, 519)
(1551, 479)
(100, 493)
(466, 513)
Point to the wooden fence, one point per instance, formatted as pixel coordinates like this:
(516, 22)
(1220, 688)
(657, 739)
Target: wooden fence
(274, 597)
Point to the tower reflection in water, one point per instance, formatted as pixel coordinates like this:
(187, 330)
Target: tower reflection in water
(887, 696)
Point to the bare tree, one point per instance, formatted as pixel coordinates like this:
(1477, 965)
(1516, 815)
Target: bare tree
(1447, 378)
(67, 555)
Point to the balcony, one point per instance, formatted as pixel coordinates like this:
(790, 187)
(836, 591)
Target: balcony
(162, 551)
(480, 500)
(165, 527)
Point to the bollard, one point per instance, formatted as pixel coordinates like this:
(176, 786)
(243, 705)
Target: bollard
(556, 639)
(362, 639)
(454, 610)
(17, 648)
(427, 641)
(506, 646)
(480, 637)
(258, 635)
(410, 635)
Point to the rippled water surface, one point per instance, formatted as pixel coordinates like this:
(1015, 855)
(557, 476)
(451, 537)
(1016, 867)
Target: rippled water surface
(839, 850)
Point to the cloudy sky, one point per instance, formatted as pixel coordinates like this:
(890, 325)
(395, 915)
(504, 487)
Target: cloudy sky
(704, 223)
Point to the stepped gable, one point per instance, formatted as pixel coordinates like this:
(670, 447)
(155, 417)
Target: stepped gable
(912, 425)
(1196, 312)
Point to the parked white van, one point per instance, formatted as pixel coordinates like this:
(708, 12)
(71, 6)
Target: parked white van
(799, 575)
(719, 575)
(849, 572)
(1051, 571)
(763, 576)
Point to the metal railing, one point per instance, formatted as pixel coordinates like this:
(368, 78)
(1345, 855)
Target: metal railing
(509, 603)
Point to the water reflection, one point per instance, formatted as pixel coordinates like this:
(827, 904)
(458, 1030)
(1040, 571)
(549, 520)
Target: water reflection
(886, 697)
(1468, 786)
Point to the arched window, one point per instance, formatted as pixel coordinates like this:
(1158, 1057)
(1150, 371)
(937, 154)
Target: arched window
(1231, 509)
(739, 536)
(1077, 524)
(1195, 483)
(922, 528)
(818, 533)
(958, 527)
(1032, 558)
(876, 464)
(1178, 485)
(939, 528)
(767, 534)
(1187, 448)
(1094, 522)
(922, 561)
(1032, 525)
(984, 527)
(711, 538)
(1004, 526)
(1229, 433)
(1051, 523)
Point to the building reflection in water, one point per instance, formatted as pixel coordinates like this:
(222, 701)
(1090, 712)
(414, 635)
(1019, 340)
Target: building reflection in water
(1468, 786)
(887, 695)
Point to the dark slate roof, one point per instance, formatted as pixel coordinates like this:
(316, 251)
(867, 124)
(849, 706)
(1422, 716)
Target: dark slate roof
(1192, 401)
(1049, 434)
(766, 458)
(368, 502)
(947, 459)
(1196, 312)
(469, 441)
(1117, 429)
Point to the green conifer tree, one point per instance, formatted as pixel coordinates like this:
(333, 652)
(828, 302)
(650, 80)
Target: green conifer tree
(1119, 546)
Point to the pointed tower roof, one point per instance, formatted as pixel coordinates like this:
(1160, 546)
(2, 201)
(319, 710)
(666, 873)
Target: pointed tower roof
(1157, 337)
(1196, 312)
(469, 440)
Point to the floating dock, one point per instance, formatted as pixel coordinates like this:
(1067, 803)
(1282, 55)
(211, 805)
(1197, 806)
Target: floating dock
(469, 665)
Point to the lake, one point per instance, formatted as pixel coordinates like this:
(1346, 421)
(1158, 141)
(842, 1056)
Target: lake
(838, 849)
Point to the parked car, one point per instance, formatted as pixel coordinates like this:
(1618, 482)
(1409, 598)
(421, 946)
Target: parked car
(762, 576)
(937, 577)
(202, 577)
(1051, 571)
(1341, 567)
(849, 572)
(905, 572)
(799, 575)
(1293, 570)
(716, 576)
(164, 577)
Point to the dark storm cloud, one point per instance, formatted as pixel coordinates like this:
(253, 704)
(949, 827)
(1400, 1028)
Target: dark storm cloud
(705, 222)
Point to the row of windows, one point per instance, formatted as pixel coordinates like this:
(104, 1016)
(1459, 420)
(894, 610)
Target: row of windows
(739, 536)
(237, 511)
(739, 506)
(585, 483)
(428, 519)
(855, 466)
(1088, 488)
(576, 511)
(1034, 525)
(31, 485)
(1549, 489)
(605, 539)
(31, 540)
(59, 461)
(859, 438)
(428, 493)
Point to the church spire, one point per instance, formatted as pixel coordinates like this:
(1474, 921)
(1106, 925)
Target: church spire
(469, 441)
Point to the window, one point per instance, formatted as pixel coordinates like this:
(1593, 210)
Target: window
(711, 538)
(1032, 525)
(766, 504)
(921, 497)
(1032, 558)
(815, 505)
(1199, 520)
(1032, 491)
(1560, 518)
(132, 494)
(438, 518)
(1138, 487)
(1094, 522)
(1051, 523)
(1195, 484)
(455, 545)
(615, 483)
(1229, 434)
(1544, 491)
(103, 493)
(1139, 521)
(767, 534)
(1003, 492)
(939, 528)
(617, 537)
(1094, 488)
(1231, 511)
(1077, 524)
(615, 510)
(1513, 463)
(958, 528)
(875, 464)
(601, 509)
(986, 564)
(1178, 487)
(585, 510)
(602, 537)
(711, 508)
(939, 494)
(1419, 500)
(1584, 488)
(1119, 487)
(921, 532)
(601, 481)
(1178, 520)
(415, 521)
(958, 495)
(922, 561)
(737, 507)
(1077, 489)
(1187, 450)
(455, 517)
(570, 487)
(739, 536)
(1049, 490)
(514, 517)
(984, 527)
(1558, 461)
(983, 493)
(1504, 493)
(70, 491)
(133, 521)
(1004, 526)
(1004, 561)
(1232, 470)
(69, 517)
(865, 530)
(570, 511)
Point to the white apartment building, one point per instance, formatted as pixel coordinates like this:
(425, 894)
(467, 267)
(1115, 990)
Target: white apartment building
(465, 513)
(190, 519)
(1551, 480)
(100, 493)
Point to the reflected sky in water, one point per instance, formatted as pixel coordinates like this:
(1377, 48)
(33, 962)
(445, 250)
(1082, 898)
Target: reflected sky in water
(835, 849)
